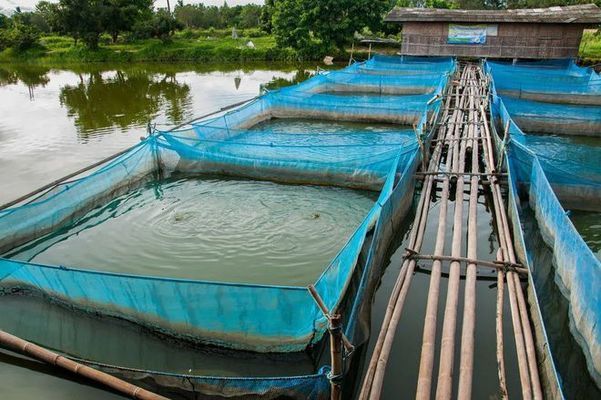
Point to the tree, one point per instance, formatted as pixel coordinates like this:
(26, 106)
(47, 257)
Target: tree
(250, 16)
(19, 36)
(324, 25)
(267, 15)
(163, 25)
(49, 13)
(83, 19)
(121, 15)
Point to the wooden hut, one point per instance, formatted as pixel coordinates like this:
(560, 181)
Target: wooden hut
(538, 33)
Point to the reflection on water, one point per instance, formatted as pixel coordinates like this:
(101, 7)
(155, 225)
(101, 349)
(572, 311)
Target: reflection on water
(124, 98)
(57, 120)
(31, 76)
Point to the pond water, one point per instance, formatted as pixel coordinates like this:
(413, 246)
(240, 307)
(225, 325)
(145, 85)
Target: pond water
(211, 229)
(56, 120)
(588, 224)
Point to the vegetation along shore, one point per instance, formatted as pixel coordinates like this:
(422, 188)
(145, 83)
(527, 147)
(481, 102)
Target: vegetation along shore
(75, 31)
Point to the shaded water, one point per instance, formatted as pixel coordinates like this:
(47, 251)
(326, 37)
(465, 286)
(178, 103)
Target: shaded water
(403, 365)
(567, 353)
(211, 229)
(89, 337)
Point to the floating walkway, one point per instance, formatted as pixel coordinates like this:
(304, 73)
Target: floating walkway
(462, 164)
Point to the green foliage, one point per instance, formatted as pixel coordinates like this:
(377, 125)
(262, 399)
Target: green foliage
(320, 26)
(267, 15)
(164, 25)
(88, 19)
(49, 13)
(120, 15)
(19, 37)
(202, 16)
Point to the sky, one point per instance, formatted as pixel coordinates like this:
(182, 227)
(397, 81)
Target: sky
(30, 4)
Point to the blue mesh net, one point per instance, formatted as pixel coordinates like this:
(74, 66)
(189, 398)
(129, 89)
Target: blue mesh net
(554, 81)
(259, 318)
(568, 119)
(573, 167)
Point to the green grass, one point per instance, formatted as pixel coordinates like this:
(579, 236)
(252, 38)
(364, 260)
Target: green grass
(203, 47)
(590, 47)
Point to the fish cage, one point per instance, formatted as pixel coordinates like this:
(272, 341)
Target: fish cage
(259, 141)
(547, 175)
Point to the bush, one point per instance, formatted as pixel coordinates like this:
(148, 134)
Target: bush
(188, 34)
(252, 33)
(142, 30)
(20, 37)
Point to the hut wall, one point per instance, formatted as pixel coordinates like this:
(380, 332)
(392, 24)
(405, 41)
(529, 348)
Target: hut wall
(513, 40)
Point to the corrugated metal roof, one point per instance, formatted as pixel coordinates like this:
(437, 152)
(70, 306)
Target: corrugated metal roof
(578, 14)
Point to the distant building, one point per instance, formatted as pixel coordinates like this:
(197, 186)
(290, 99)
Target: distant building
(537, 33)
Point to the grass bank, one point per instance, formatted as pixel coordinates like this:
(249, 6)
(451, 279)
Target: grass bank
(60, 49)
(202, 46)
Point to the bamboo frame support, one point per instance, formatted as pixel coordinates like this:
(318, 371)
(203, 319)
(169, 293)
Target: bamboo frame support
(529, 377)
(501, 265)
(462, 141)
(499, 330)
(466, 367)
(47, 356)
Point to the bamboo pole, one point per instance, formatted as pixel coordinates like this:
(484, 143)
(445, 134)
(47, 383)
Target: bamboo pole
(42, 354)
(499, 329)
(424, 381)
(466, 367)
(335, 329)
(445, 374)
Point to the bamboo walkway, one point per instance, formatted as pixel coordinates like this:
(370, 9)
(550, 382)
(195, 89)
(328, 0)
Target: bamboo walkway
(461, 161)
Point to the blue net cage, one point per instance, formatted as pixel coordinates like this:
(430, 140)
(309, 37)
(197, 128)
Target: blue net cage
(554, 172)
(250, 317)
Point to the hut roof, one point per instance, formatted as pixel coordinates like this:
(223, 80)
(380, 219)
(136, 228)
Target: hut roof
(577, 14)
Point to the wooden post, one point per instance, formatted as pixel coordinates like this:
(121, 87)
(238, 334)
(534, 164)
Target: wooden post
(335, 330)
(337, 342)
